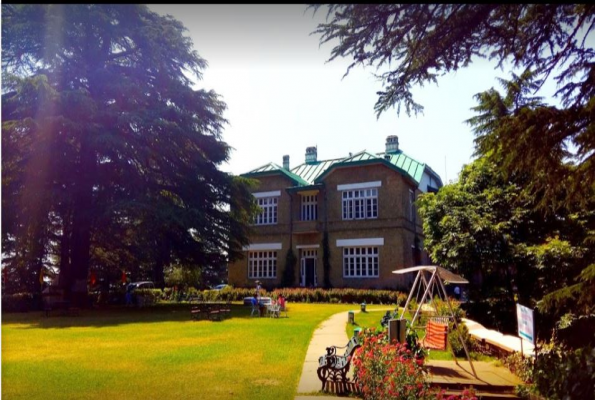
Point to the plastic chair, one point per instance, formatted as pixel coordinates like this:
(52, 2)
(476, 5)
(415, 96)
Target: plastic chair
(274, 311)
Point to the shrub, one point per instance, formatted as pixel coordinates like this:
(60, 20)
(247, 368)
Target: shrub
(561, 373)
(520, 366)
(147, 297)
(20, 302)
(296, 295)
(454, 341)
(442, 309)
(391, 371)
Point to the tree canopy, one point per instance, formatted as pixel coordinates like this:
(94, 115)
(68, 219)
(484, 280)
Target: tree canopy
(414, 44)
(487, 229)
(110, 157)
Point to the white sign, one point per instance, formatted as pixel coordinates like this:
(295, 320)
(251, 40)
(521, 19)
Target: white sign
(524, 317)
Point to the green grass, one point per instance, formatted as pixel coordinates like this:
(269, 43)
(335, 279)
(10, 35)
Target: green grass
(157, 353)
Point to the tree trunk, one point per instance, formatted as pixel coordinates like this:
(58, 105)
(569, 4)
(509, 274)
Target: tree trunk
(81, 224)
(65, 274)
(163, 259)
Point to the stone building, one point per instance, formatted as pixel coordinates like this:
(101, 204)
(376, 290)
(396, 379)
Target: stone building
(365, 205)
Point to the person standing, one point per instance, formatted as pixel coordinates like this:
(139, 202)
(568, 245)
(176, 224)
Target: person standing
(457, 293)
(258, 287)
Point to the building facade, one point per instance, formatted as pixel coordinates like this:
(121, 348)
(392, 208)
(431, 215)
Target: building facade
(363, 204)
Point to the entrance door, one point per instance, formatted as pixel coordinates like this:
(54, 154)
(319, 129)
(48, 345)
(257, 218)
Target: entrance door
(308, 270)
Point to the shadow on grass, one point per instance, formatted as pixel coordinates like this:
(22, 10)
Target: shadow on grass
(108, 316)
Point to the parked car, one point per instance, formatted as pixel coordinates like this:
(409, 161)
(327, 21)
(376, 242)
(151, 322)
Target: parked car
(142, 285)
(220, 287)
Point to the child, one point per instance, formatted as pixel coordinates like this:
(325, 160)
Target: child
(281, 302)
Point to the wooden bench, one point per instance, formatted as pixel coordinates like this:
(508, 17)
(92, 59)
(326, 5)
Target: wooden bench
(199, 310)
(333, 368)
(213, 311)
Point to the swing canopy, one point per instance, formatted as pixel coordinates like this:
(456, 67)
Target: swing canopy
(445, 275)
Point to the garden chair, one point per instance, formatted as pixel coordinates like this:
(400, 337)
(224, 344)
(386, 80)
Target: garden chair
(333, 367)
(274, 310)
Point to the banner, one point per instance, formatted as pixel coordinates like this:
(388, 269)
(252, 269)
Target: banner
(524, 317)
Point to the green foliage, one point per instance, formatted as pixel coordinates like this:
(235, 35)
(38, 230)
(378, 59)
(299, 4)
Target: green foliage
(183, 277)
(455, 336)
(147, 297)
(388, 371)
(414, 44)
(561, 373)
(288, 278)
(413, 344)
(305, 295)
(110, 157)
(20, 302)
(519, 365)
(443, 310)
(484, 228)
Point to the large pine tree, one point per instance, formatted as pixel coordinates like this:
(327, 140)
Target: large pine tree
(106, 145)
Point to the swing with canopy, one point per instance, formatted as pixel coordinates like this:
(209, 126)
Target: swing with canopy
(431, 279)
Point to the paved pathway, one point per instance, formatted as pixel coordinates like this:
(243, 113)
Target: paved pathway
(449, 373)
(330, 332)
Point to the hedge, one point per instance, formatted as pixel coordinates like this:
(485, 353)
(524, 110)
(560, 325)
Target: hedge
(297, 295)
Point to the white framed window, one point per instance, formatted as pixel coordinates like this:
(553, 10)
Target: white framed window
(268, 215)
(411, 205)
(262, 264)
(360, 204)
(310, 208)
(360, 262)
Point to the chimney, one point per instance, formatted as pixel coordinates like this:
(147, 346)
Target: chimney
(311, 155)
(286, 162)
(392, 144)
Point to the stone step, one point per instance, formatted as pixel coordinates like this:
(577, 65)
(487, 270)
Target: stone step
(484, 395)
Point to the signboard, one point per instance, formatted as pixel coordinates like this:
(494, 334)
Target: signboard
(524, 317)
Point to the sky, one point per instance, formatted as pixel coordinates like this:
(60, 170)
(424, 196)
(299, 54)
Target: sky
(282, 95)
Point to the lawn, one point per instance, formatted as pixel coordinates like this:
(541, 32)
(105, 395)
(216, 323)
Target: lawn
(157, 352)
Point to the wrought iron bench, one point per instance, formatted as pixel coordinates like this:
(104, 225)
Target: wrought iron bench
(388, 316)
(333, 367)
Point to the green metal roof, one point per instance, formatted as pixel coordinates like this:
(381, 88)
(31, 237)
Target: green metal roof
(311, 173)
(396, 160)
(272, 168)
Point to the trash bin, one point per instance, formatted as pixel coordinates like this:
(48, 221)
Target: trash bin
(351, 317)
(363, 305)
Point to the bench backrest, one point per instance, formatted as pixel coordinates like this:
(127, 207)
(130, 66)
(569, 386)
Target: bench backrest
(351, 346)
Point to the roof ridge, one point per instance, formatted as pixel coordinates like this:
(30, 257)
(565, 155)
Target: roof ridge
(257, 168)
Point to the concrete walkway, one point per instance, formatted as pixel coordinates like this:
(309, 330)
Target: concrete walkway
(448, 374)
(330, 332)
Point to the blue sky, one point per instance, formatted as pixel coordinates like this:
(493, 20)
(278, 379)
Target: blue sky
(283, 97)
